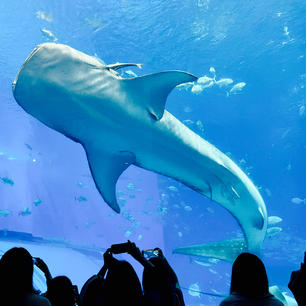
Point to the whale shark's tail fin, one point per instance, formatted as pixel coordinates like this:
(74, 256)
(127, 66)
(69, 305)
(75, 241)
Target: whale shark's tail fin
(152, 90)
(227, 250)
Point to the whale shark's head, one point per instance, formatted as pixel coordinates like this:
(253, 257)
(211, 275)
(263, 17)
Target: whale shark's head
(52, 79)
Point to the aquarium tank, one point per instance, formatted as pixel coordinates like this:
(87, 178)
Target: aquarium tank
(211, 162)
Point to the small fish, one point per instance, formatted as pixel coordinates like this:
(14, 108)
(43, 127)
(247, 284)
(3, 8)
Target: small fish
(188, 208)
(196, 89)
(301, 110)
(212, 70)
(25, 212)
(285, 133)
(274, 220)
(210, 210)
(37, 202)
(172, 188)
(200, 126)
(180, 234)
(139, 237)
(272, 231)
(202, 263)
(224, 82)
(204, 80)
(187, 109)
(127, 234)
(120, 192)
(185, 86)
(212, 271)
(122, 200)
(237, 88)
(131, 74)
(209, 84)
(48, 34)
(5, 212)
(164, 196)
(242, 161)
(298, 201)
(162, 210)
(81, 199)
(194, 290)
(6, 180)
(268, 192)
(188, 122)
(28, 146)
(130, 186)
(44, 16)
(213, 260)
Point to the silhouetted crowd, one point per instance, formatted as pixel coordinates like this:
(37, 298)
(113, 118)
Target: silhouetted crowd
(117, 282)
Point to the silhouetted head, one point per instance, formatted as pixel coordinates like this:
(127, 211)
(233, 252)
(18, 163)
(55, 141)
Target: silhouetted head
(122, 286)
(16, 272)
(160, 284)
(61, 292)
(92, 293)
(249, 277)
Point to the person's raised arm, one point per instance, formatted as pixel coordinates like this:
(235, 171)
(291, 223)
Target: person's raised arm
(43, 267)
(136, 253)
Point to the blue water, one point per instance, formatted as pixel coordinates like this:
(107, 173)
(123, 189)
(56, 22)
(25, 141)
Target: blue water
(46, 188)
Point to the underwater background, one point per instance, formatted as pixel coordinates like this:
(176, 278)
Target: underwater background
(250, 105)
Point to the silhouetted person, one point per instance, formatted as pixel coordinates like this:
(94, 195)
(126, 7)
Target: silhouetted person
(92, 292)
(61, 292)
(16, 280)
(160, 283)
(122, 286)
(249, 284)
(297, 284)
(119, 287)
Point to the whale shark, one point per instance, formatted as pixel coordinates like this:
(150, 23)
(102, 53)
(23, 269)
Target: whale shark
(120, 122)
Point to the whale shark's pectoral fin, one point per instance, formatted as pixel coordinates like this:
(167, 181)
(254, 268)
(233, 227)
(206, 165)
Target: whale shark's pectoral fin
(106, 169)
(152, 90)
(227, 250)
(122, 65)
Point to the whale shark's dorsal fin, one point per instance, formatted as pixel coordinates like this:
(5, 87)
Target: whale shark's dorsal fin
(106, 169)
(152, 90)
(122, 65)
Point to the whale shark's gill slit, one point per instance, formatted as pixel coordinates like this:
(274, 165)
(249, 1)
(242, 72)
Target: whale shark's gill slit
(235, 192)
(211, 192)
